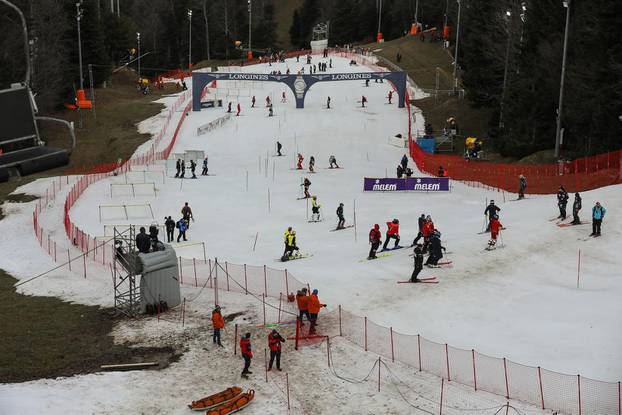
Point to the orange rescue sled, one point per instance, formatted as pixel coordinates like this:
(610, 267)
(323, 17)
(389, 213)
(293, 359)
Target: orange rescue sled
(217, 399)
(236, 404)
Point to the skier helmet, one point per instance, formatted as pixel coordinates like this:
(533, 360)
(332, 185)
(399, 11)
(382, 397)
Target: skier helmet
(428, 217)
(314, 197)
(376, 226)
(396, 221)
(315, 291)
(293, 232)
(492, 202)
(340, 204)
(437, 233)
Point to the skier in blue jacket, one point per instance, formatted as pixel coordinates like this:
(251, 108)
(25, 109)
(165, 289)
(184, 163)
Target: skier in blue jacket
(182, 226)
(598, 214)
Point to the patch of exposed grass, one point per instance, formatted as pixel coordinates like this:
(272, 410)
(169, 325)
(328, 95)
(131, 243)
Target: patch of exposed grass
(45, 337)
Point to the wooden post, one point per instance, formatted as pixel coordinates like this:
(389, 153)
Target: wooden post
(84, 261)
(280, 300)
(297, 333)
(328, 350)
(286, 283)
(204, 254)
(245, 281)
(227, 274)
(69, 259)
(265, 362)
(194, 266)
(183, 312)
(286, 375)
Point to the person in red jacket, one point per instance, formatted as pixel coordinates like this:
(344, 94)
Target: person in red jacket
(239, 109)
(495, 228)
(427, 230)
(219, 323)
(392, 233)
(375, 237)
(300, 160)
(274, 342)
(247, 354)
(314, 310)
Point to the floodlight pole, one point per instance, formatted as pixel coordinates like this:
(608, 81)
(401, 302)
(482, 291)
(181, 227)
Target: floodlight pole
(26, 43)
(457, 44)
(78, 18)
(566, 4)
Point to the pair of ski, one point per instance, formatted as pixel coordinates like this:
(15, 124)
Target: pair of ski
(444, 264)
(340, 229)
(588, 238)
(565, 225)
(428, 280)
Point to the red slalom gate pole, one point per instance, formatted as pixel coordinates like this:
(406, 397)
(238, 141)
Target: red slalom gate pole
(578, 267)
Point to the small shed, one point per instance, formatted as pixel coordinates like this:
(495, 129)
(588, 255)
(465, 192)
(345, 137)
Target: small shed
(160, 278)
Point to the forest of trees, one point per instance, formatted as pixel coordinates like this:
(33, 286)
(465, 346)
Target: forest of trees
(530, 40)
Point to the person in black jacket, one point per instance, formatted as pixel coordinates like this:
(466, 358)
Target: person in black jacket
(436, 249)
(576, 207)
(491, 210)
(169, 223)
(342, 220)
(562, 201)
(178, 167)
(400, 171)
(193, 166)
(421, 222)
(418, 263)
(143, 242)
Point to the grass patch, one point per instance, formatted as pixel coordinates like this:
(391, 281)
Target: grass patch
(45, 337)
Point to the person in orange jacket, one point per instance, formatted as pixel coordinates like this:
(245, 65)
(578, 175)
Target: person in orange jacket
(247, 354)
(274, 342)
(314, 310)
(219, 323)
(427, 230)
(392, 233)
(302, 300)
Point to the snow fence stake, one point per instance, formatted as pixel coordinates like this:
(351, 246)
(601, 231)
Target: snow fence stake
(474, 374)
(340, 335)
(578, 267)
(619, 400)
(286, 385)
(263, 301)
(227, 274)
(379, 361)
(181, 272)
(365, 333)
(194, 266)
(183, 312)
(297, 332)
(84, 261)
(265, 281)
(505, 372)
(235, 338)
(441, 404)
(392, 352)
(579, 389)
(447, 362)
(328, 350)
(204, 254)
(265, 362)
(286, 283)
(540, 381)
(279, 314)
(419, 349)
(245, 281)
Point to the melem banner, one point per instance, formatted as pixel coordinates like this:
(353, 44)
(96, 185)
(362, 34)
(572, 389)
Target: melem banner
(417, 184)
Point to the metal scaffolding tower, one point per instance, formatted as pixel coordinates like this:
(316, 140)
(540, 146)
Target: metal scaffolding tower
(126, 269)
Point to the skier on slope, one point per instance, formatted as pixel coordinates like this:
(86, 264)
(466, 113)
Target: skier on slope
(495, 228)
(522, 186)
(393, 232)
(193, 167)
(315, 209)
(178, 168)
(182, 226)
(253, 102)
(300, 160)
(436, 249)
(400, 171)
(247, 354)
(286, 234)
(490, 211)
(182, 169)
(268, 102)
(229, 107)
(562, 201)
(290, 247)
(311, 164)
(375, 237)
(576, 207)
(283, 99)
(598, 214)
(390, 96)
(328, 103)
(279, 146)
(363, 101)
(418, 259)
(342, 220)
(169, 223)
(314, 309)
(186, 212)
(204, 172)
(306, 183)
(427, 230)
(239, 110)
(332, 161)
